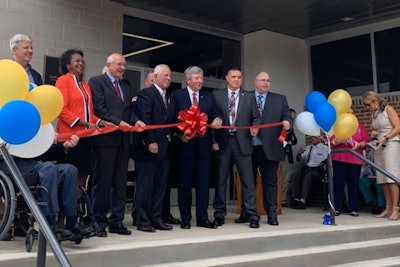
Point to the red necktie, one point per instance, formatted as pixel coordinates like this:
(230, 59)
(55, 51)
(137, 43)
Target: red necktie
(116, 86)
(195, 101)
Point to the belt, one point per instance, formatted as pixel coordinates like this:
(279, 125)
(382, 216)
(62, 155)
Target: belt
(232, 133)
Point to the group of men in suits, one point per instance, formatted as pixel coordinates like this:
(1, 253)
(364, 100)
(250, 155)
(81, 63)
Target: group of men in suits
(248, 148)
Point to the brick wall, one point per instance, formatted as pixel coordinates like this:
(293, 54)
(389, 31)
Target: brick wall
(363, 113)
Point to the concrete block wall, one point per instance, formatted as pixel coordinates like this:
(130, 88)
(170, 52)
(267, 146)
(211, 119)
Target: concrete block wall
(95, 26)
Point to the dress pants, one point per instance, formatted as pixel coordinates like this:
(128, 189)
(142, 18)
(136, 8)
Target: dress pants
(244, 166)
(269, 177)
(301, 181)
(109, 184)
(151, 182)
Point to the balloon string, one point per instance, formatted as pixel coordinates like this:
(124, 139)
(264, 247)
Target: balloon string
(104, 130)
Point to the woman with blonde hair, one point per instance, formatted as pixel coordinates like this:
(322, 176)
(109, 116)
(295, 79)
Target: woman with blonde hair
(386, 128)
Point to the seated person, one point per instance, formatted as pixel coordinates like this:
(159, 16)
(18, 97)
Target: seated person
(61, 181)
(313, 156)
(371, 191)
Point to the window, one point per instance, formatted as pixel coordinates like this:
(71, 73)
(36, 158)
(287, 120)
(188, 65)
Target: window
(387, 47)
(344, 64)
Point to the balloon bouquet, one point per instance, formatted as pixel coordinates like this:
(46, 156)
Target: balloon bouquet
(331, 115)
(26, 112)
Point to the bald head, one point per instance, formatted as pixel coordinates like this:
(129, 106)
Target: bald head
(262, 82)
(116, 65)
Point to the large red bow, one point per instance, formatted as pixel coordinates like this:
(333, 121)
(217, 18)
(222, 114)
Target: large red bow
(193, 122)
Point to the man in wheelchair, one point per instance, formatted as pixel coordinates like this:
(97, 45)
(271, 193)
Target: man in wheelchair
(61, 182)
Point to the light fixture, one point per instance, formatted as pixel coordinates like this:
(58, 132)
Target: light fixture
(162, 44)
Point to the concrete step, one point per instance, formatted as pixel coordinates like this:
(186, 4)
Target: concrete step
(383, 262)
(319, 246)
(320, 256)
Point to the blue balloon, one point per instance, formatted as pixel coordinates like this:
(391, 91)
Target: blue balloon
(313, 100)
(19, 122)
(325, 116)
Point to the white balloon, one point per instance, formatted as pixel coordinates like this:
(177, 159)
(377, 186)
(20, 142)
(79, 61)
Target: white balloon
(37, 146)
(306, 124)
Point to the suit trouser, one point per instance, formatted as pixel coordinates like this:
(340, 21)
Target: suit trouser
(302, 181)
(244, 165)
(198, 169)
(151, 182)
(56, 178)
(109, 184)
(269, 177)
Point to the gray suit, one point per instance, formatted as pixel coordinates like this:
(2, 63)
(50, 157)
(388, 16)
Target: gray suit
(236, 147)
(267, 156)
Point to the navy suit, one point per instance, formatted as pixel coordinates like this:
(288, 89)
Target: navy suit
(238, 147)
(194, 157)
(267, 156)
(37, 78)
(151, 168)
(110, 151)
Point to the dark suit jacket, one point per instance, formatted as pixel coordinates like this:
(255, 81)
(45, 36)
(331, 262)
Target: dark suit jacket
(36, 77)
(152, 111)
(247, 114)
(181, 100)
(108, 106)
(276, 109)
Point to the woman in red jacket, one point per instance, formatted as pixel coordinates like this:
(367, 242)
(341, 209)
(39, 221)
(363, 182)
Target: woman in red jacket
(77, 112)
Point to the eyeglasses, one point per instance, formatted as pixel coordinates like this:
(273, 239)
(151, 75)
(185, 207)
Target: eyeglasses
(368, 104)
(264, 80)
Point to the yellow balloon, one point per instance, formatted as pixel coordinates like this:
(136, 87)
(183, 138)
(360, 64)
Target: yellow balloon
(48, 100)
(14, 81)
(346, 125)
(341, 100)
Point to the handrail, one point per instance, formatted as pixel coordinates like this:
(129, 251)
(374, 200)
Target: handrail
(33, 206)
(330, 175)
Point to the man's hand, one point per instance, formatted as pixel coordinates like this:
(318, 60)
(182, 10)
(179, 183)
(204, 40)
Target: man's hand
(73, 141)
(153, 148)
(215, 147)
(253, 131)
(140, 123)
(184, 138)
(217, 123)
(124, 123)
(104, 123)
(286, 125)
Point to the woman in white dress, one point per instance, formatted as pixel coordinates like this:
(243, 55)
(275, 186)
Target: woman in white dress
(386, 128)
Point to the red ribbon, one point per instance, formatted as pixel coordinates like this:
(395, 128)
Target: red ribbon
(193, 122)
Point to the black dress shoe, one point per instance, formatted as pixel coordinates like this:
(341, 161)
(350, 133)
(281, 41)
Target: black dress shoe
(119, 229)
(185, 225)
(207, 224)
(171, 220)
(219, 221)
(242, 219)
(254, 224)
(100, 232)
(163, 227)
(273, 222)
(147, 228)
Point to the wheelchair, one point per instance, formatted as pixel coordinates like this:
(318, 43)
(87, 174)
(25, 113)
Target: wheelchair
(16, 217)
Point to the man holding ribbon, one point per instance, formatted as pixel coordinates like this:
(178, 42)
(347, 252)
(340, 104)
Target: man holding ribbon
(238, 108)
(268, 148)
(194, 154)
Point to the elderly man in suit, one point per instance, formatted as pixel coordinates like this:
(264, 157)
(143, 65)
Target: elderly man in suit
(238, 108)
(268, 151)
(22, 50)
(194, 154)
(151, 152)
(112, 102)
